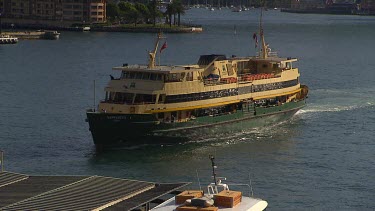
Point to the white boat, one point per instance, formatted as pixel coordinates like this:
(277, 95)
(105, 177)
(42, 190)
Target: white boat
(218, 198)
(6, 39)
(86, 28)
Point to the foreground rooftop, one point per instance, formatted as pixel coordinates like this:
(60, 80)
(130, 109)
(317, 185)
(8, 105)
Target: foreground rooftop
(24, 192)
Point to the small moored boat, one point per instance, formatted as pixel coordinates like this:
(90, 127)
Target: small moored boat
(7, 39)
(218, 197)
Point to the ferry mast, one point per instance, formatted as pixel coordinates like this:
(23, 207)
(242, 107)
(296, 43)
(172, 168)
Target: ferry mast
(262, 51)
(152, 54)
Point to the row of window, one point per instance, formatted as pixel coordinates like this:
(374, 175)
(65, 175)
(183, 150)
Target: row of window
(70, 6)
(96, 7)
(127, 98)
(96, 19)
(96, 13)
(267, 87)
(119, 97)
(229, 92)
(143, 76)
(201, 96)
(172, 77)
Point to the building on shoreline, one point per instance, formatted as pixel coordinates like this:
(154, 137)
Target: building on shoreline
(344, 7)
(72, 11)
(306, 4)
(368, 6)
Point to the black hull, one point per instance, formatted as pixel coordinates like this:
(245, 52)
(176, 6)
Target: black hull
(127, 130)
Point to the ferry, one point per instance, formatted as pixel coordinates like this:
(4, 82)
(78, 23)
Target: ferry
(159, 104)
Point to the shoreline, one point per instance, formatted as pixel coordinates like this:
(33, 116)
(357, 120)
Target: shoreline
(22, 24)
(326, 11)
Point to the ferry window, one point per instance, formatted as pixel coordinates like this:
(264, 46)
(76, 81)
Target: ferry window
(159, 77)
(146, 76)
(125, 74)
(230, 69)
(128, 98)
(161, 98)
(118, 97)
(224, 70)
(189, 76)
(171, 77)
(132, 75)
(288, 66)
(153, 76)
(144, 99)
(161, 115)
(243, 67)
(111, 96)
(138, 75)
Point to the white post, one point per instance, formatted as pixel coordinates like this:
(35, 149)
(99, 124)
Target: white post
(2, 160)
(94, 96)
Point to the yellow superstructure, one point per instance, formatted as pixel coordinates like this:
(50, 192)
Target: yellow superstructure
(215, 81)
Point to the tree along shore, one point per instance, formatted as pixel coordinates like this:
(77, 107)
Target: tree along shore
(25, 25)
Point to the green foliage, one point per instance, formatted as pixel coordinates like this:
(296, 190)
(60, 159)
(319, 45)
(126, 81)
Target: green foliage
(112, 11)
(154, 11)
(136, 13)
(173, 9)
(143, 11)
(125, 6)
(179, 8)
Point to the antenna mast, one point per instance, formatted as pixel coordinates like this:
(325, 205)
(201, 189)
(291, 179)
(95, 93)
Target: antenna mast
(152, 55)
(213, 168)
(263, 51)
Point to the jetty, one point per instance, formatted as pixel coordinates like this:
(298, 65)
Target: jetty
(26, 192)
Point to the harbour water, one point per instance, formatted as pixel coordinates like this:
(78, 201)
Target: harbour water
(323, 158)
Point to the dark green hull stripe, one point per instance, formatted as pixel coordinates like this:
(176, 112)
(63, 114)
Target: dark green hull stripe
(132, 129)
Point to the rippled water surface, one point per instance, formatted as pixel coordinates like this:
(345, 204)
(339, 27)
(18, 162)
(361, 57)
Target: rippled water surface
(323, 158)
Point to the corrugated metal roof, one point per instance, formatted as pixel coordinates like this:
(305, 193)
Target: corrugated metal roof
(146, 197)
(93, 193)
(32, 186)
(7, 178)
(22, 192)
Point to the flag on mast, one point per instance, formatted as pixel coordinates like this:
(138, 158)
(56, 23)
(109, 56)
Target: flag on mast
(255, 38)
(164, 46)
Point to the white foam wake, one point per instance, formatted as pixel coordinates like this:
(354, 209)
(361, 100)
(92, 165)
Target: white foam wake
(339, 100)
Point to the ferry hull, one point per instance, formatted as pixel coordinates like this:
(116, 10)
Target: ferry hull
(125, 130)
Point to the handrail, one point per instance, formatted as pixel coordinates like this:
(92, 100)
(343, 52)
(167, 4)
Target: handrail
(115, 102)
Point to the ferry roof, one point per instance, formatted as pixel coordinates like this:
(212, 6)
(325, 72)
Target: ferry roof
(166, 69)
(275, 59)
(158, 69)
(24, 192)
